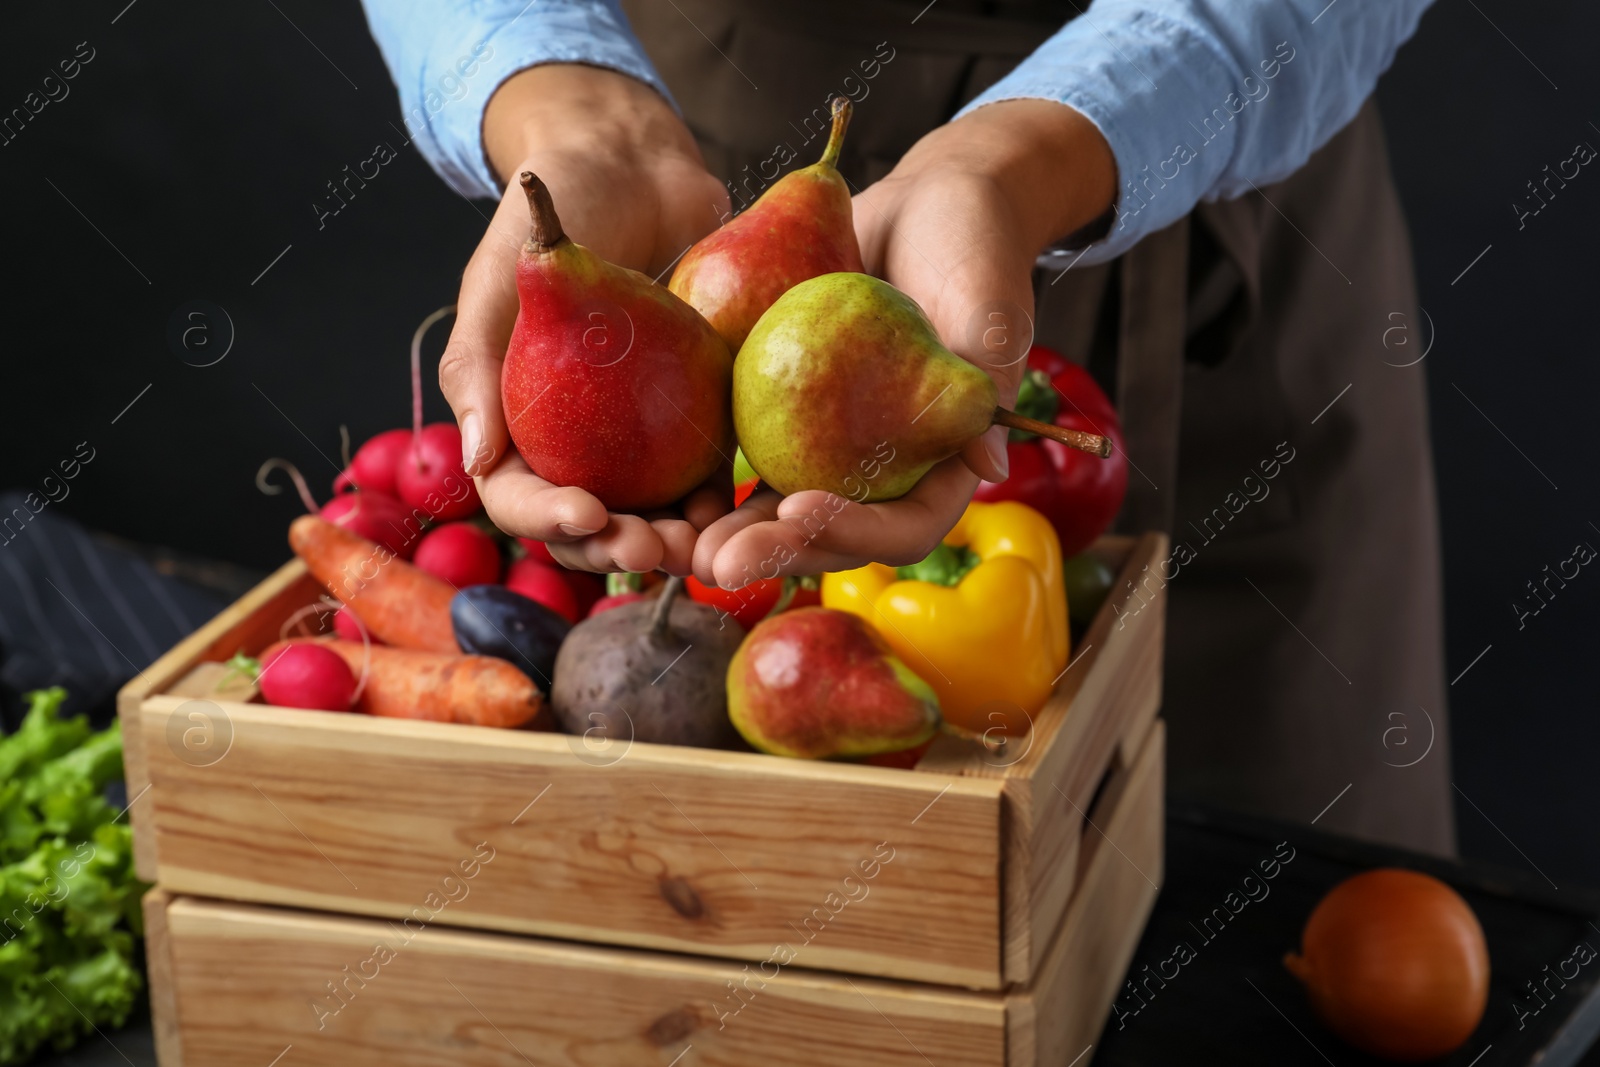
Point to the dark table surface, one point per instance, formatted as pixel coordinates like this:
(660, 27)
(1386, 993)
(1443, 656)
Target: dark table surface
(1233, 1002)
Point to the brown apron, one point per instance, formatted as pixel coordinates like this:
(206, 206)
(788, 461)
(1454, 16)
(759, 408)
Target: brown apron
(1304, 643)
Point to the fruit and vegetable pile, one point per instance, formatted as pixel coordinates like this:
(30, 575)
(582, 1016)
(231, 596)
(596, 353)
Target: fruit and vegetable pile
(862, 663)
(69, 901)
(768, 341)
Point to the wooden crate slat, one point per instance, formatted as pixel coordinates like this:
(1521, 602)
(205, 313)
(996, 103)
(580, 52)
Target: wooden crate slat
(163, 985)
(689, 850)
(1064, 1010)
(244, 982)
(248, 624)
(482, 999)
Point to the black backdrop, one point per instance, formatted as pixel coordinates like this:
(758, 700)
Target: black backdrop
(183, 162)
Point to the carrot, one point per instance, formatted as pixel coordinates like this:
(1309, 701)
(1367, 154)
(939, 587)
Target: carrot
(403, 606)
(406, 684)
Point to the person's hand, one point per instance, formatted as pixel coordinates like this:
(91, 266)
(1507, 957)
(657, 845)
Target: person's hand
(629, 183)
(956, 226)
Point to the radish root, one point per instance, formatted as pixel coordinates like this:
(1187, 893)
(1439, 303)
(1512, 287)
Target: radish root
(294, 474)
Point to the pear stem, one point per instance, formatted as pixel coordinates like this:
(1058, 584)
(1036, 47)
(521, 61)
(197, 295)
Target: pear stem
(1092, 443)
(547, 231)
(661, 616)
(842, 110)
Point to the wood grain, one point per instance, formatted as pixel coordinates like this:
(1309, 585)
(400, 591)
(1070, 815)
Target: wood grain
(249, 624)
(667, 848)
(1120, 874)
(674, 848)
(250, 982)
(163, 986)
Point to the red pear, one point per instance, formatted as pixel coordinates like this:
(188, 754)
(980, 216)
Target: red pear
(611, 383)
(798, 229)
(818, 683)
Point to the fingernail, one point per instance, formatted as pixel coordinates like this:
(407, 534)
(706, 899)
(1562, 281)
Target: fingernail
(574, 531)
(999, 454)
(471, 441)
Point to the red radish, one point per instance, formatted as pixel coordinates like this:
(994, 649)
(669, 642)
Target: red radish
(461, 554)
(373, 516)
(374, 465)
(430, 476)
(588, 588)
(537, 550)
(307, 676)
(548, 585)
(347, 626)
(378, 518)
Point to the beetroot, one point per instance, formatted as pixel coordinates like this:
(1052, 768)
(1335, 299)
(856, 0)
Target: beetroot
(461, 554)
(375, 463)
(546, 584)
(376, 517)
(305, 675)
(430, 476)
(615, 600)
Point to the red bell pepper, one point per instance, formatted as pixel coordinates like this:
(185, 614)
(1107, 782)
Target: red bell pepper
(1080, 494)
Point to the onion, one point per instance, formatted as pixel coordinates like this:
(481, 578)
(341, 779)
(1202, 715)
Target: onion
(1395, 963)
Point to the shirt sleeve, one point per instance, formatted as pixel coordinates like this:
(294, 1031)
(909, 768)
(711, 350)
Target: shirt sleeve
(447, 57)
(1207, 99)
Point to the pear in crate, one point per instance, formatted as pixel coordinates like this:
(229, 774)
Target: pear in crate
(798, 229)
(611, 383)
(817, 683)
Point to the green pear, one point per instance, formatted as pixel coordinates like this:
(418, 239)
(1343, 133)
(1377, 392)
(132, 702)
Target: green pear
(843, 386)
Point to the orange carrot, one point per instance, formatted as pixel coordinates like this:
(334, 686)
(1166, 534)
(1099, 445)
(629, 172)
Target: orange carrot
(406, 684)
(403, 606)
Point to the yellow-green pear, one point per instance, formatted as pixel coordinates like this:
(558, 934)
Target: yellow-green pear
(844, 386)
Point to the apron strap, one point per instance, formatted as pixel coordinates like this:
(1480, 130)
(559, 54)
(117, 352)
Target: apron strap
(1150, 349)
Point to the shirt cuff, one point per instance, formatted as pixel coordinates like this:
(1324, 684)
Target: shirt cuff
(444, 111)
(1108, 69)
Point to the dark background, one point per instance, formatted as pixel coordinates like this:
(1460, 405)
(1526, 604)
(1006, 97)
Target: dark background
(191, 149)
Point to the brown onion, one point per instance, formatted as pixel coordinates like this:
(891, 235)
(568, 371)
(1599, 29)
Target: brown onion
(1395, 963)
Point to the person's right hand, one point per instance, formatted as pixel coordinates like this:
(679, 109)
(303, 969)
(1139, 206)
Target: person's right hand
(629, 183)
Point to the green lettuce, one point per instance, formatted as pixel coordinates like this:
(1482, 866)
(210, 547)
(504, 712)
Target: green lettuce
(69, 900)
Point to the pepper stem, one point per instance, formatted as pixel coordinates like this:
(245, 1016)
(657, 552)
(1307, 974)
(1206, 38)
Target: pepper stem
(1036, 399)
(661, 616)
(547, 231)
(842, 110)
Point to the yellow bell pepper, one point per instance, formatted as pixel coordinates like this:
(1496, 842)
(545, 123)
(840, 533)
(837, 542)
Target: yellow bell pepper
(983, 620)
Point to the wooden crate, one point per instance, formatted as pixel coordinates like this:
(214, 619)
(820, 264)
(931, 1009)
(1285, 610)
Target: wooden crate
(724, 854)
(237, 985)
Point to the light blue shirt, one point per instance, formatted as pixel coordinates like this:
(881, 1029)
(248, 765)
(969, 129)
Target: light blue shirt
(1198, 99)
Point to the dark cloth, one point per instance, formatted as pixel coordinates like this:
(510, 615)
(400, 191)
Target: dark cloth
(80, 613)
(1304, 643)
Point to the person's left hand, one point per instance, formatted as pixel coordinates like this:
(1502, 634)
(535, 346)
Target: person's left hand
(956, 226)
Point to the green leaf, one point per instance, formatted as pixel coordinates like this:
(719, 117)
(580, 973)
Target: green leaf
(69, 900)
